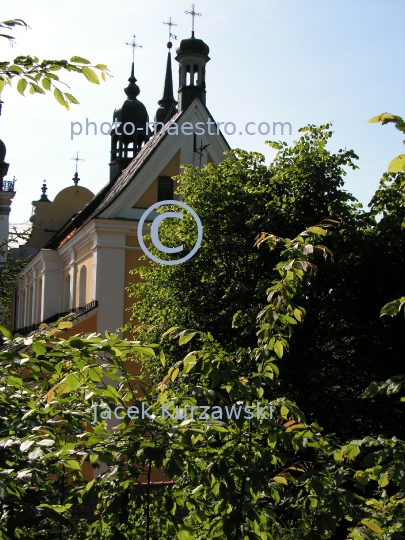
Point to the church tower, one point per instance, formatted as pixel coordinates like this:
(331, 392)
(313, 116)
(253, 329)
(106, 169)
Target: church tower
(130, 129)
(192, 55)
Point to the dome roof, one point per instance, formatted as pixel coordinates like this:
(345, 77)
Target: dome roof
(131, 110)
(193, 45)
(2, 151)
(67, 197)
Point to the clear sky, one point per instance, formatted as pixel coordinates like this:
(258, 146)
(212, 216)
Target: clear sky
(297, 61)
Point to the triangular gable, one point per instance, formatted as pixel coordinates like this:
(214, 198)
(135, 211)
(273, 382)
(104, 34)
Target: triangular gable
(116, 199)
(169, 147)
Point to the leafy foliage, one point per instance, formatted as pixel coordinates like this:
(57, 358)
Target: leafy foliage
(221, 289)
(39, 76)
(274, 477)
(398, 163)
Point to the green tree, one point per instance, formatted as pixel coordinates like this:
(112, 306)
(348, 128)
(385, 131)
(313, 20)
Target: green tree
(10, 271)
(38, 76)
(335, 355)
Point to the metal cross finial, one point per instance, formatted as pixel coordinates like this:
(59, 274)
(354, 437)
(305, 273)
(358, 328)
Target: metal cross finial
(170, 24)
(134, 45)
(76, 176)
(193, 14)
(77, 159)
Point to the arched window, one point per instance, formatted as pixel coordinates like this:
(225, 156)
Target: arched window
(82, 286)
(66, 303)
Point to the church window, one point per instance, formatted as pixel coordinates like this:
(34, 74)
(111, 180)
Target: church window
(165, 188)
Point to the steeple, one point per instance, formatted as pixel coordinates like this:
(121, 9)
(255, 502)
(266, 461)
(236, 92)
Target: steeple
(167, 105)
(130, 129)
(192, 55)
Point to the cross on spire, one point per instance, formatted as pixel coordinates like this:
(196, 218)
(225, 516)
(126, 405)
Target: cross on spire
(134, 45)
(76, 176)
(170, 24)
(194, 14)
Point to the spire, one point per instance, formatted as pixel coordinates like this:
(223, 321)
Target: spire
(167, 105)
(132, 90)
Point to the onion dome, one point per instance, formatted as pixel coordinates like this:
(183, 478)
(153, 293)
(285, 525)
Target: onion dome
(193, 45)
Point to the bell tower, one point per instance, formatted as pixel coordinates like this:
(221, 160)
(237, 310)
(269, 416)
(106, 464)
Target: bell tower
(192, 55)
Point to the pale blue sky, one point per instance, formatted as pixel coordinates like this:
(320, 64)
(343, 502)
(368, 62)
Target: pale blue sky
(301, 61)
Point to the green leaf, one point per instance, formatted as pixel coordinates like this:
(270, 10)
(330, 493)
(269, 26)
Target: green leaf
(60, 99)
(174, 374)
(186, 336)
(79, 60)
(284, 411)
(2, 85)
(14, 381)
(280, 480)
(185, 532)
(350, 451)
(38, 348)
(298, 314)
(100, 66)
(90, 75)
(397, 164)
(6, 332)
(37, 89)
(380, 118)
(317, 230)
(72, 382)
(71, 98)
(278, 348)
(46, 83)
(189, 362)
(392, 308)
(65, 324)
(372, 525)
(72, 464)
(21, 86)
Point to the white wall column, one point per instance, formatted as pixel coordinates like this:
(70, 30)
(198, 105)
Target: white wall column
(51, 293)
(110, 281)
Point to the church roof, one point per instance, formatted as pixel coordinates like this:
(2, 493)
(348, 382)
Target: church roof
(113, 189)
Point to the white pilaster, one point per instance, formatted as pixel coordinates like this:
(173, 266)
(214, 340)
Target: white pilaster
(110, 281)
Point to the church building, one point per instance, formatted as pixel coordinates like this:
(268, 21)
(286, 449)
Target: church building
(83, 245)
